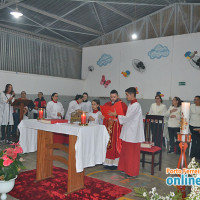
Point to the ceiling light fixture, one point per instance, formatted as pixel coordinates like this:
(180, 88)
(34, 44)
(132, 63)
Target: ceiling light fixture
(134, 36)
(16, 13)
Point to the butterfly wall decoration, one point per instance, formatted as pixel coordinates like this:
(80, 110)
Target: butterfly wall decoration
(105, 82)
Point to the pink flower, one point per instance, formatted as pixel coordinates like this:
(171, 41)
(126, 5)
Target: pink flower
(10, 152)
(15, 144)
(18, 149)
(7, 161)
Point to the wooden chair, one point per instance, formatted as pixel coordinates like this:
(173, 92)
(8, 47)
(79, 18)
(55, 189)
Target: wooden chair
(153, 130)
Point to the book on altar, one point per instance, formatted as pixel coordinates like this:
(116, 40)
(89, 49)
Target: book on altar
(53, 121)
(147, 144)
(105, 110)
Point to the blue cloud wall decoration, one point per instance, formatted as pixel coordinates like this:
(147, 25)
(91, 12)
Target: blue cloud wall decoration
(158, 52)
(104, 60)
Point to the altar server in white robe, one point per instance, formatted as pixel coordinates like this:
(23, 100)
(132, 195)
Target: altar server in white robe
(132, 135)
(86, 105)
(95, 116)
(54, 108)
(6, 112)
(74, 105)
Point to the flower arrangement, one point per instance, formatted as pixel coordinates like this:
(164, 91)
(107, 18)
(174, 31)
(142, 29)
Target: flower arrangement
(153, 195)
(195, 190)
(11, 162)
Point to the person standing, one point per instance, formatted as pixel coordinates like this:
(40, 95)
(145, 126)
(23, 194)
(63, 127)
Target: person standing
(114, 130)
(157, 108)
(86, 105)
(94, 117)
(195, 123)
(16, 115)
(6, 112)
(132, 135)
(54, 108)
(74, 105)
(39, 103)
(174, 114)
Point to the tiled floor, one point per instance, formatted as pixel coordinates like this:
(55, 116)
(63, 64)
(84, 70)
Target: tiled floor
(116, 177)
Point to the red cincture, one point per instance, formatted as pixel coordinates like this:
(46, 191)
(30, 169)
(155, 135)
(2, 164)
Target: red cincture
(134, 101)
(95, 111)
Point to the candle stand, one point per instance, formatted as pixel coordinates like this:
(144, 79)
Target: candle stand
(184, 138)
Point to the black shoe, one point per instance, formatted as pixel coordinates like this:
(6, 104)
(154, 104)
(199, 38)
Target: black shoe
(129, 177)
(170, 151)
(113, 167)
(110, 167)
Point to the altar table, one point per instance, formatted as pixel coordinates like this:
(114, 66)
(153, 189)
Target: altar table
(87, 147)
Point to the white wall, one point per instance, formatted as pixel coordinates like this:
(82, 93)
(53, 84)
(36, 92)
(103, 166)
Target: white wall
(32, 84)
(161, 74)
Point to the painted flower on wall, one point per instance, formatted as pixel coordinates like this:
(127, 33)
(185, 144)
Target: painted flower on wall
(158, 52)
(104, 60)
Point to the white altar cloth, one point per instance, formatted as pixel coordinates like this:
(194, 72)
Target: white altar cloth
(91, 144)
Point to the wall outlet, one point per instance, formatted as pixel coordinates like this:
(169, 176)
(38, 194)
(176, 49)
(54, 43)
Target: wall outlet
(170, 98)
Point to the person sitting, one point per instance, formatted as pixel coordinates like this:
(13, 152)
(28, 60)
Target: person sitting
(86, 105)
(74, 105)
(39, 103)
(94, 117)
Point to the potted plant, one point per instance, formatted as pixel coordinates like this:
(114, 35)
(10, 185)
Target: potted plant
(10, 166)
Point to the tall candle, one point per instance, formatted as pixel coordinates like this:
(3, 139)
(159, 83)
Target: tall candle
(40, 113)
(83, 118)
(185, 113)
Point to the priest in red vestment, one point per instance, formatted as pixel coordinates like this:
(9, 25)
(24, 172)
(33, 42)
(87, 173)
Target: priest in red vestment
(132, 135)
(114, 130)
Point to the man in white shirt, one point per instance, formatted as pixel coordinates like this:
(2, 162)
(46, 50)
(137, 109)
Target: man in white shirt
(132, 135)
(195, 124)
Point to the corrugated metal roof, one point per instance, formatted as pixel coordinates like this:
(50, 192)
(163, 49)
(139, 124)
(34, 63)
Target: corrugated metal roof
(78, 21)
(85, 15)
(58, 7)
(110, 20)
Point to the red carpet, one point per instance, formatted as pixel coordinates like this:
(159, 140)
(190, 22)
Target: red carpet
(54, 188)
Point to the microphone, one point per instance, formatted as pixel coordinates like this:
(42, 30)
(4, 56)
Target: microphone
(12, 93)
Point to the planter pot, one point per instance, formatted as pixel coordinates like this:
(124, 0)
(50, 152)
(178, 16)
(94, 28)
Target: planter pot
(5, 187)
